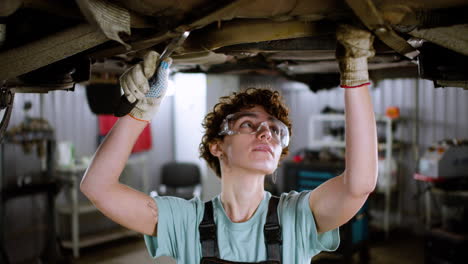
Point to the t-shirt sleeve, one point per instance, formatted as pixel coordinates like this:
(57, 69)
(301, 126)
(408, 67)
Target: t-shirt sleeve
(177, 219)
(296, 207)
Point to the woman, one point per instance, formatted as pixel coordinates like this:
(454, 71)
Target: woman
(246, 136)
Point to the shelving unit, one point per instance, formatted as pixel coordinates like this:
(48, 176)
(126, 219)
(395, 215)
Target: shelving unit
(388, 147)
(74, 208)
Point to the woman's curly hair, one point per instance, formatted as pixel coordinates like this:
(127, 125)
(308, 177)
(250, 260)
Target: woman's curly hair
(270, 100)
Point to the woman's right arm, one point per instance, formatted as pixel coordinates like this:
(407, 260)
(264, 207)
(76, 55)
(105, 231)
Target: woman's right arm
(124, 205)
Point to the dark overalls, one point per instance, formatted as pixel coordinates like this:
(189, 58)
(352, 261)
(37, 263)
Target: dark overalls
(271, 230)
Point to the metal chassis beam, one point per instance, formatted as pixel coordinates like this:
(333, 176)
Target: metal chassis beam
(48, 50)
(251, 31)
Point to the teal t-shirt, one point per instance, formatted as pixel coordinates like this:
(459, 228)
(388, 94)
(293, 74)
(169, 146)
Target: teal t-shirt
(178, 235)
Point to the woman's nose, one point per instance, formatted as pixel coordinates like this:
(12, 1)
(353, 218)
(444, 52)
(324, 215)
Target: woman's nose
(264, 132)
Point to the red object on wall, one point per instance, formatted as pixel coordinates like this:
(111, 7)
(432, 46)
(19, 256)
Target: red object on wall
(143, 143)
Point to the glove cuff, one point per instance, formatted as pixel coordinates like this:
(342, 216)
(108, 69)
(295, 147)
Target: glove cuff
(353, 71)
(132, 115)
(145, 111)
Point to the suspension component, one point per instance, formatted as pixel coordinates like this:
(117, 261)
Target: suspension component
(6, 104)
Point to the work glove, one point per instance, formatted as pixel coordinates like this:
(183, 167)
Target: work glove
(135, 85)
(354, 47)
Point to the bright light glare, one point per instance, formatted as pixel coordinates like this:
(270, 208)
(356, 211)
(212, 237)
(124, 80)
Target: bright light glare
(170, 88)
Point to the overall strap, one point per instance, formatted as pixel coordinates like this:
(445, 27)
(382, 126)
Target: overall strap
(207, 230)
(272, 231)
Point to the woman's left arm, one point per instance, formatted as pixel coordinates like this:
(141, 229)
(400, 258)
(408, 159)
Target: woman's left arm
(337, 200)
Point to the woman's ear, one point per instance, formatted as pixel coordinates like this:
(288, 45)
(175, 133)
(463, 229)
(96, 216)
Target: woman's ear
(215, 148)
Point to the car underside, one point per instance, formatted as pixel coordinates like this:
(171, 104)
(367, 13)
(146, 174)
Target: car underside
(53, 44)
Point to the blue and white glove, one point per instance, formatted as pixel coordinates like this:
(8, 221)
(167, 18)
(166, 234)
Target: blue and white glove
(135, 85)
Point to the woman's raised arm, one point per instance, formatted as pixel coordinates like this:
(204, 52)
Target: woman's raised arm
(124, 205)
(336, 201)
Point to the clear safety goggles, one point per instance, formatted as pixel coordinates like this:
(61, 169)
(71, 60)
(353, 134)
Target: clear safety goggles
(251, 123)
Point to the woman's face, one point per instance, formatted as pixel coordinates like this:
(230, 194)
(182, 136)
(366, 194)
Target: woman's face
(258, 152)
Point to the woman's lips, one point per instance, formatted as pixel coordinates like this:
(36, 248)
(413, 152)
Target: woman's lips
(264, 148)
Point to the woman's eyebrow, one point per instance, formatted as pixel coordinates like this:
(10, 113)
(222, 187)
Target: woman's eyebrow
(253, 114)
(249, 114)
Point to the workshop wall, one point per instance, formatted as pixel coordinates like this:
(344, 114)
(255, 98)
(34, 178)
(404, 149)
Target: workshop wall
(441, 111)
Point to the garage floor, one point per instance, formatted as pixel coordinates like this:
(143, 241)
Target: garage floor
(400, 248)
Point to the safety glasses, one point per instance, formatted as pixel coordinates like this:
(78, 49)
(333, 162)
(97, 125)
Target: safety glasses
(252, 123)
